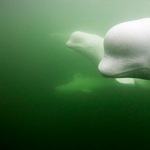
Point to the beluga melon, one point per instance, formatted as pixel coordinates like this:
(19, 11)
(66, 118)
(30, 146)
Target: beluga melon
(127, 50)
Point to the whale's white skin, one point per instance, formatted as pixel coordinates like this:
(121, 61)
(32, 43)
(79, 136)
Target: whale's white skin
(88, 45)
(127, 50)
(87, 84)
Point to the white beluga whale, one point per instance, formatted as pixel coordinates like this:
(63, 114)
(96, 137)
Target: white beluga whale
(88, 45)
(127, 50)
(86, 84)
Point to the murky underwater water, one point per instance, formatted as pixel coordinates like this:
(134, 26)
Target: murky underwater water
(34, 59)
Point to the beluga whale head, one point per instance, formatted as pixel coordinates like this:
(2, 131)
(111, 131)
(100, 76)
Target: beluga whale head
(88, 45)
(127, 50)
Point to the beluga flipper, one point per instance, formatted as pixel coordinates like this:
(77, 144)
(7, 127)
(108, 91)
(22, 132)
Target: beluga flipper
(127, 50)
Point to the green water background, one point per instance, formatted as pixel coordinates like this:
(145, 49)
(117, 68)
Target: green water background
(34, 59)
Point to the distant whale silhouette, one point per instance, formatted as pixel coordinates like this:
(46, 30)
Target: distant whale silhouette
(80, 84)
(127, 50)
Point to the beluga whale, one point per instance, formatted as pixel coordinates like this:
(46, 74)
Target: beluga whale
(127, 50)
(88, 45)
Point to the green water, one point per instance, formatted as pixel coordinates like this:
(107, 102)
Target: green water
(34, 59)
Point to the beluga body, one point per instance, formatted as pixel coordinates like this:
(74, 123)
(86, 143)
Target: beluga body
(127, 50)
